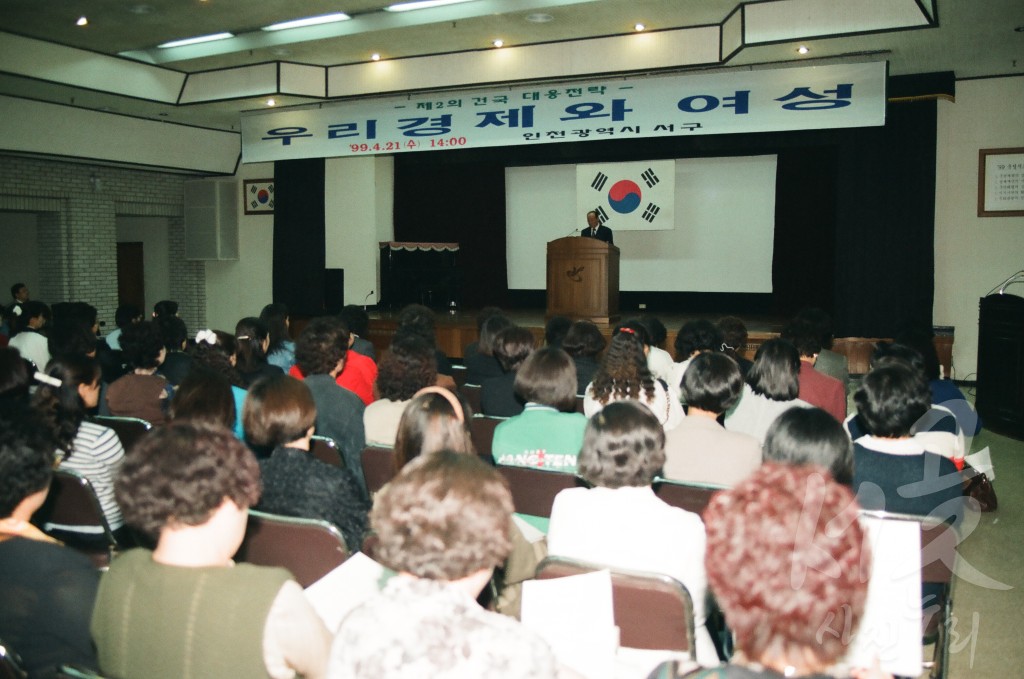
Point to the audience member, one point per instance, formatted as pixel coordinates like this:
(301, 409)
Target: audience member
(407, 367)
(214, 351)
(891, 469)
(321, 353)
(30, 333)
(358, 323)
(358, 374)
(15, 376)
(555, 331)
(442, 526)
(944, 391)
(734, 341)
(47, 590)
(281, 351)
(549, 431)
(70, 387)
(280, 414)
(700, 449)
(204, 396)
(142, 392)
(482, 364)
(817, 388)
(419, 320)
(481, 317)
(165, 307)
(771, 388)
(659, 361)
(72, 338)
(829, 362)
(435, 419)
(126, 314)
(694, 337)
(178, 362)
(760, 535)
(185, 609)
(620, 522)
(624, 374)
(809, 436)
(584, 343)
(19, 297)
(251, 342)
(497, 394)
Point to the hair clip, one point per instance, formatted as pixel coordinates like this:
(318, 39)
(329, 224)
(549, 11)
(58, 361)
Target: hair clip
(726, 346)
(208, 336)
(631, 331)
(47, 379)
(242, 337)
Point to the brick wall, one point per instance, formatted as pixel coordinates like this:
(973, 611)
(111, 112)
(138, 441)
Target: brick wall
(77, 206)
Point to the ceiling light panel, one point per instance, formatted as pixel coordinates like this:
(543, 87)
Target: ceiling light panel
(308, 21)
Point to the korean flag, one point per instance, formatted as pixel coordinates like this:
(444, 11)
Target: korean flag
(628, 196)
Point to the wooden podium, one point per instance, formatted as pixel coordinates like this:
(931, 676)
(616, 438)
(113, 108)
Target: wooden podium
(583, 279)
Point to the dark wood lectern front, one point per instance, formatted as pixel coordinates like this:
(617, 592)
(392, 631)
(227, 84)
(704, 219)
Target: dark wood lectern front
(583, 279)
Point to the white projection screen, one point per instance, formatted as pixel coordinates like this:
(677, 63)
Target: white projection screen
(722, 241)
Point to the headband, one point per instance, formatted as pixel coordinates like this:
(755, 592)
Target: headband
(451, 398)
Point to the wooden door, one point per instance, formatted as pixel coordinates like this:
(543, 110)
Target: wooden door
(131, 275)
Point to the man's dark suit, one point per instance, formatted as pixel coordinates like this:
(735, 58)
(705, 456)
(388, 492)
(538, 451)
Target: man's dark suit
(603, 233)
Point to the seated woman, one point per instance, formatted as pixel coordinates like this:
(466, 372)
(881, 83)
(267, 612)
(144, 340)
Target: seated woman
(214, 351)
(47, 590)
(620, 522)
(694, 338)
(185, 608)
(442, 525)
(434, 419)
(280, 414)
(142, 392)
(204, 396)
(481, 364)
(771, 389)
(281, 351)
(624, 375)
(734, 339)
(71, 387)
(810, 436)
(760, 535)
(497, 394)
(549, 432)
(416, 319)
(891, 469)
(178, 362)
(700, 449)
(584, 342)
(251, 342)
(407, 367)
(30, 333)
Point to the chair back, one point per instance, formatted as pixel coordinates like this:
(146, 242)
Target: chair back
(72, 503)
(325, 449)
(534, 490)
(481, 430)
(459, 375)
(693, 497)
(10, 663)
(309, 548)
(471, 392)
(579, 404)
(652, 611)
(128, 429)
(379, 466)
(77, 672)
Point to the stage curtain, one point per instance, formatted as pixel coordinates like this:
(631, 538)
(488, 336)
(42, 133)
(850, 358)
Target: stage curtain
(299, 245)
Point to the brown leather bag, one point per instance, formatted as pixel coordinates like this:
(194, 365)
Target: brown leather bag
(978, 486)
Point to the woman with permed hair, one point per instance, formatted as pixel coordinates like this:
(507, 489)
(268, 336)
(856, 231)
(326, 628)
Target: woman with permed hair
(620, 522)
(142, 393)
(770, 389)
(71, 387)
(214, 351)
(624, 375)
(279, 414)
(185, 608)
(442, 525)
(759, 536)
(407, 367)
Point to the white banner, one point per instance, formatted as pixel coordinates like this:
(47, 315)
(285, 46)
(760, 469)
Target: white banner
(801, 98)
(628, 196)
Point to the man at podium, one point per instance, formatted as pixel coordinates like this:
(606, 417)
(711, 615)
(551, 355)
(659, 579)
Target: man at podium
(596, 229)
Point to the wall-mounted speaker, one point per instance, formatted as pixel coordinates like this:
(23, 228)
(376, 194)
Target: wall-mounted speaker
(211, 219)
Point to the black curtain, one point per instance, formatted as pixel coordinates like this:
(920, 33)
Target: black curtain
(299, 245)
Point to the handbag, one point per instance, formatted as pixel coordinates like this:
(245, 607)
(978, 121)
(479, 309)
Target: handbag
(977, 485)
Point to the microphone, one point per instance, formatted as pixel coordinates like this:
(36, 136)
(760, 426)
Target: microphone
(1015, 278)
(574, 232)
(366, 298)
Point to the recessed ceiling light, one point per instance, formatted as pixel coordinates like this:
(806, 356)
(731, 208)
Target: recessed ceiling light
(498, 43)
(421, 4)
(375, 57)
(196, 40)
(539, 18)
(82, 21)
(639, 27)
(308, 21)
(271, 102)
(803, 49)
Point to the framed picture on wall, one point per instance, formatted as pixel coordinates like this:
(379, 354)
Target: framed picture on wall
(258, 196)
(1001, 182)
